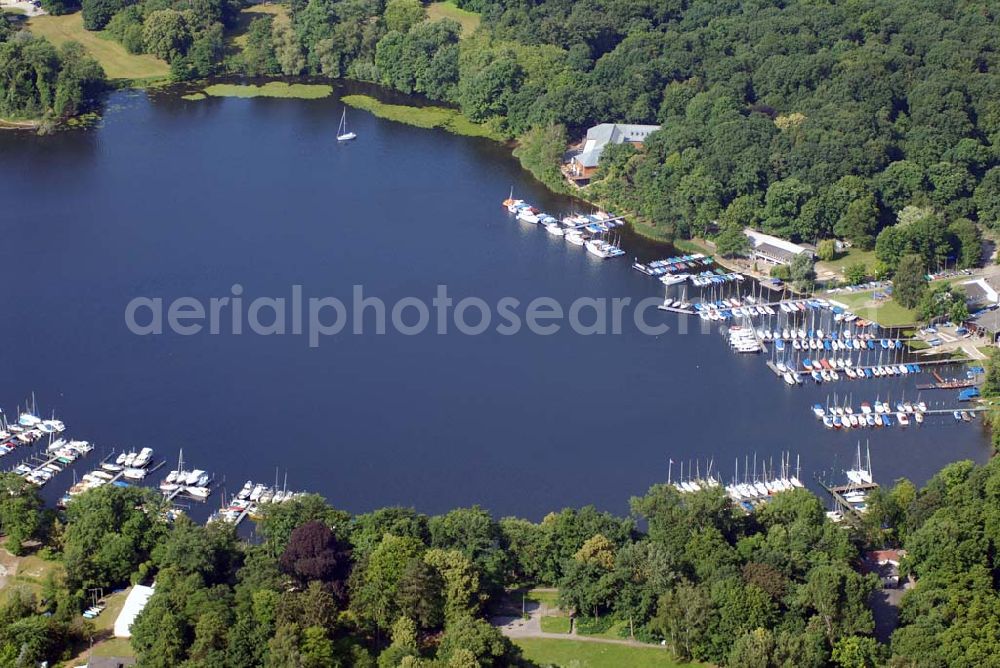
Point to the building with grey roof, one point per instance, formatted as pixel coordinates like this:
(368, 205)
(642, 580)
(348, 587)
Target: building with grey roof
(583, 164)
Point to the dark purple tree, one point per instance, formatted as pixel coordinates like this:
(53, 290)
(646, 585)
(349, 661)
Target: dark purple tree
(314, 554)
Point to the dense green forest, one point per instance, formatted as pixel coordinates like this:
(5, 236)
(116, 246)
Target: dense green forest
(320, 587)
(324, 588)
(951, 531)
(37, 80)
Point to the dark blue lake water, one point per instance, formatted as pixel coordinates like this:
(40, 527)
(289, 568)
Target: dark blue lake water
(171, 198)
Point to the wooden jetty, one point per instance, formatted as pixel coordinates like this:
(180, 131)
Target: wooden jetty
(674, 309)
(120, 474)
(595, 222)
(951, 411)
(954, 384)
(182, 491)
(947, 384)
(39, 461)
(838, 491)
(924, 363)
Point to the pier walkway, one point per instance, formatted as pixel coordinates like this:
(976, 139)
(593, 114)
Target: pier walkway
(773, 367)
(838, 491)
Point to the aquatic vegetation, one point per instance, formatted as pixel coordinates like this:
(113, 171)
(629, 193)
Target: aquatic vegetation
(271, 89)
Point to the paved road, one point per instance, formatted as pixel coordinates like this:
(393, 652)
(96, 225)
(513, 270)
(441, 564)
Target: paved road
(514, 626)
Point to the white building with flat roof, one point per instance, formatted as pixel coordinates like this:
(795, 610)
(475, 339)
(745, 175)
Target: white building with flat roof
(134, 603)
(773, 249)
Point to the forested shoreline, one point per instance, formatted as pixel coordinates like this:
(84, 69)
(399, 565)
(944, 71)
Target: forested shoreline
(873, 122)
(395, 587)
(808, 121)
(38, 81)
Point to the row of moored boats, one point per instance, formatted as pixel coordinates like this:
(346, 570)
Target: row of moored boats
(28, 429)
(127, 466)
(249, 499)
(587, 230)
(60, 454)
(881, 414)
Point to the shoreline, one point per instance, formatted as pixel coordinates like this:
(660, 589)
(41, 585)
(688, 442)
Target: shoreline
(32, 124)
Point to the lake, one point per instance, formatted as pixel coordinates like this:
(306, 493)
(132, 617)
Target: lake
(172, 198)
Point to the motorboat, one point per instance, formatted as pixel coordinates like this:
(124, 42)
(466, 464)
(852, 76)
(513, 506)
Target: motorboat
(198, 492)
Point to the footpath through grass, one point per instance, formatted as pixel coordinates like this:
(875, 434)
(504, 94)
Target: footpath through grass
(581, 654)
(237, 37)
(116, 61)
(448, 10)
(451, 120)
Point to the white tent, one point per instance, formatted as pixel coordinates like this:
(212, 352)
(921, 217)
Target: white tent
(134, 603)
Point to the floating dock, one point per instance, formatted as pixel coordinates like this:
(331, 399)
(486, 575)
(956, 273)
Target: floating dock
(773, 367)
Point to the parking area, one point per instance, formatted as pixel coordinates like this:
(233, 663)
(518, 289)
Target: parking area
(949, 337)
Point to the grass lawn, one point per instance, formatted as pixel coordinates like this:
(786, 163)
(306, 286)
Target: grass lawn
(422, 117)
(852, 256)
(616, 631)
(580, 654)
(116, 61)
(542, 597)
(32, 571)
(886, 312)
(115, 602)
(113, 647)
(236, 39)
(270, 89)
(693, 246)
(447, 10)
(555, 624)
(660, 233)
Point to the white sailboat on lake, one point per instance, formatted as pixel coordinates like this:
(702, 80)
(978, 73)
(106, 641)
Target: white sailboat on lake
(342, 133)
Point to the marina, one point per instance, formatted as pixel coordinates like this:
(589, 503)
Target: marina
(886, 414)
(754, 488)
(973, 376)
(851, 499)
(112, 470)
(193, 484)
(42, 467)
(248, 501)
(757, 484)
(672, 265)
(587, 230)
